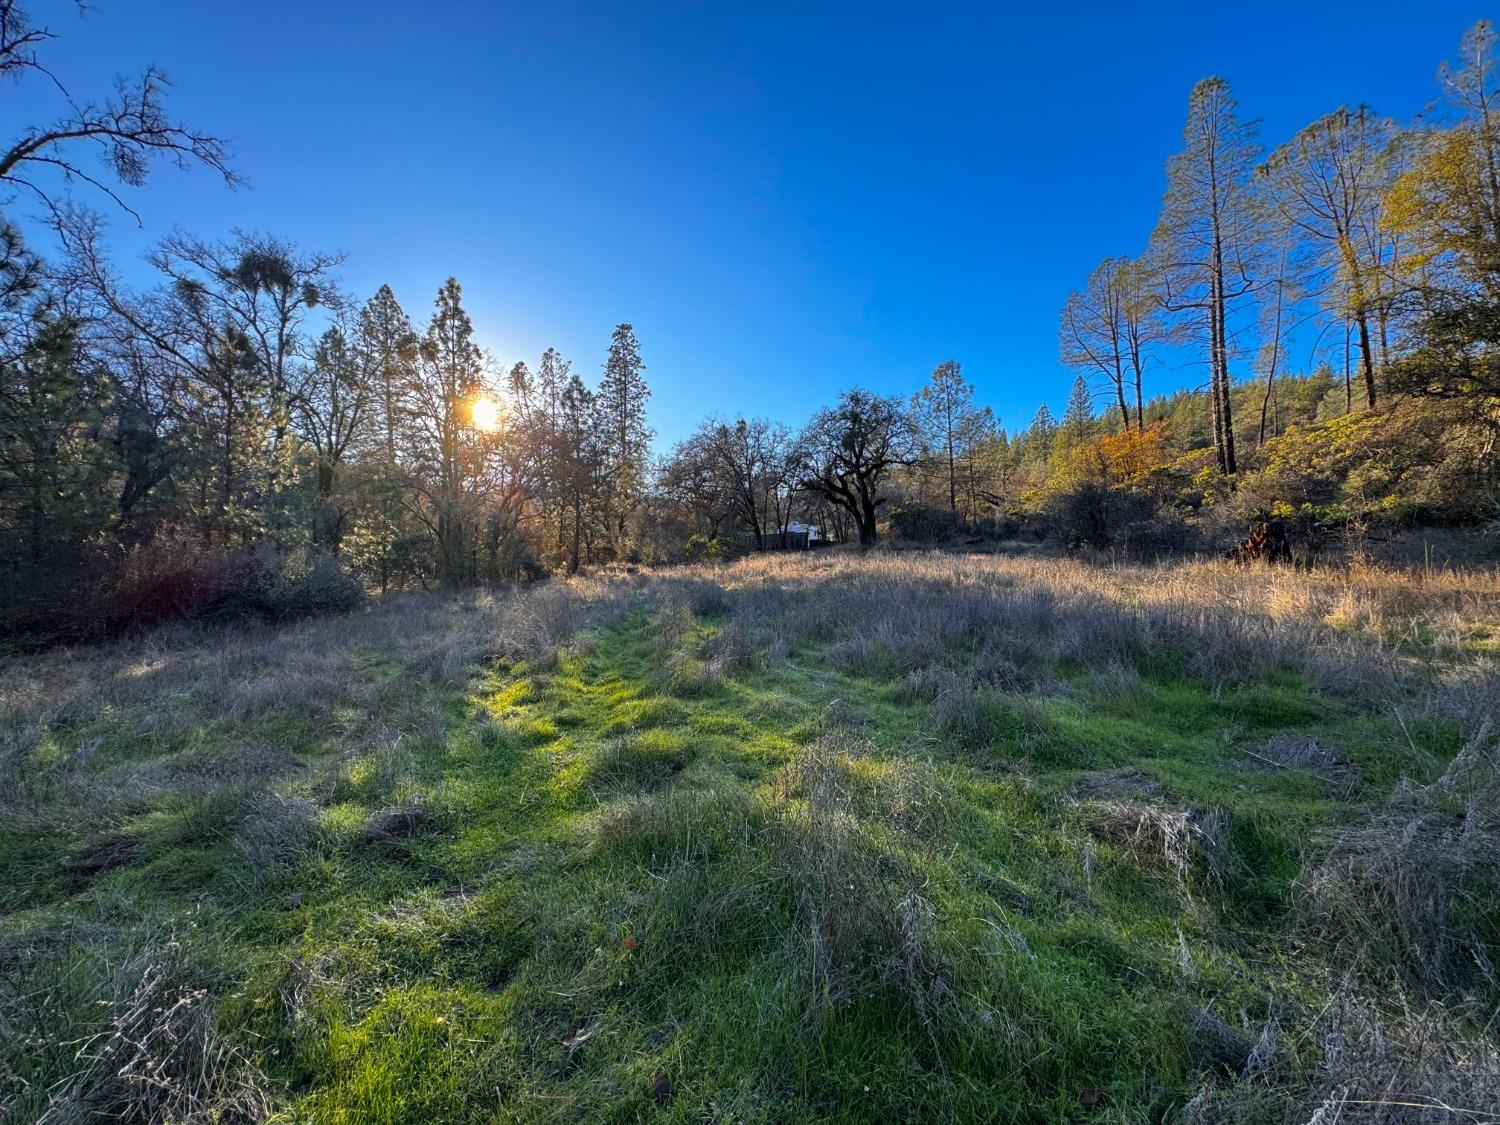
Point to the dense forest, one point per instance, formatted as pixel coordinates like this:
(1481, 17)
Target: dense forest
(242, 434)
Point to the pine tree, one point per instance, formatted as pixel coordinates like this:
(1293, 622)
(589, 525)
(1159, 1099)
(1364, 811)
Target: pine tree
(577, 464)
(1043, 425)
(447, 457)
(387, 346)
(50, 470)
(235, 468)
(624, 434)
(946, 415)
(1205, 244)
(1079, 413)
(553, 376)
(333, 406)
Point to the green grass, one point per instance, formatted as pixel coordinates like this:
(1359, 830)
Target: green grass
(626, 866)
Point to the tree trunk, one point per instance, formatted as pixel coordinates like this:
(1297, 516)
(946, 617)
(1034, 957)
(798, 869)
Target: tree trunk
(867, 532)
(952, 473)
(1265, 405)
(1348, 373)
(1213, 384)
(577, 535)
(1366, 360)
(1231, 462)
(453, 552)
(1120, 389)
(1226, 404)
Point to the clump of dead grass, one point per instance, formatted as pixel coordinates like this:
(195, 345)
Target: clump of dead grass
(964, 716)
(734, 647)
(1304, 755)
(860, 905)
(395, 822)
(902, 791)
(928, 683)
(160, 1058)
(1410, 895)
(275, 833)
(1184, 841)
(690, 663)
(1362, 1063)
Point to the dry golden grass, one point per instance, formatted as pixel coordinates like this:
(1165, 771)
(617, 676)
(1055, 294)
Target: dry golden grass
(1381, 631)
(1450, 603)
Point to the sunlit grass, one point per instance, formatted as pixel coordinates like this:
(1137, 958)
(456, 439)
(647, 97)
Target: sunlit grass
(841, 837)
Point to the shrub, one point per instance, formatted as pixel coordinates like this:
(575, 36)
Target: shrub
(154, 587)
(700, 548)
(150, 595)
(926, 523)
(283, 587)
(1121, 519)
(1418, 462)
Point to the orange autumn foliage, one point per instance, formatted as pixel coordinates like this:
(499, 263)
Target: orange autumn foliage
(1130, 459)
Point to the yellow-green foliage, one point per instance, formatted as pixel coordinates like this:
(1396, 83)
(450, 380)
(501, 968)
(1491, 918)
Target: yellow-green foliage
(1416, 459)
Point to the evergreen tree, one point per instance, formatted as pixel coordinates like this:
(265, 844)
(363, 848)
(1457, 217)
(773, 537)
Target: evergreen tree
(388, 347)
(1043, 424)
(334, 409)
(1079, 413)
(553, 376)
(624, 434)
(578, 464)
(947, 418)
(49, 454)
(448, 457)
(1205, 243)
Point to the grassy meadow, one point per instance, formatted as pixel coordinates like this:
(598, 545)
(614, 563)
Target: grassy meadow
(879, 837)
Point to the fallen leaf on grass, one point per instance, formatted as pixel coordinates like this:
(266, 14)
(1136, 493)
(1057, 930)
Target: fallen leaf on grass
(661, 1089)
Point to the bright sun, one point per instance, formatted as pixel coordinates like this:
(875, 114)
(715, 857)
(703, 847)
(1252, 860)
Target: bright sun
(485, 413)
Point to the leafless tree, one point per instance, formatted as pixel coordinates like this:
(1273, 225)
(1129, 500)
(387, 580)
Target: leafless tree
(123, 132)
(1327, 183)
(1109, 326)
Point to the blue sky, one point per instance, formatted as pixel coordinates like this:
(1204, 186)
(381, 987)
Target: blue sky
(785, 199)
